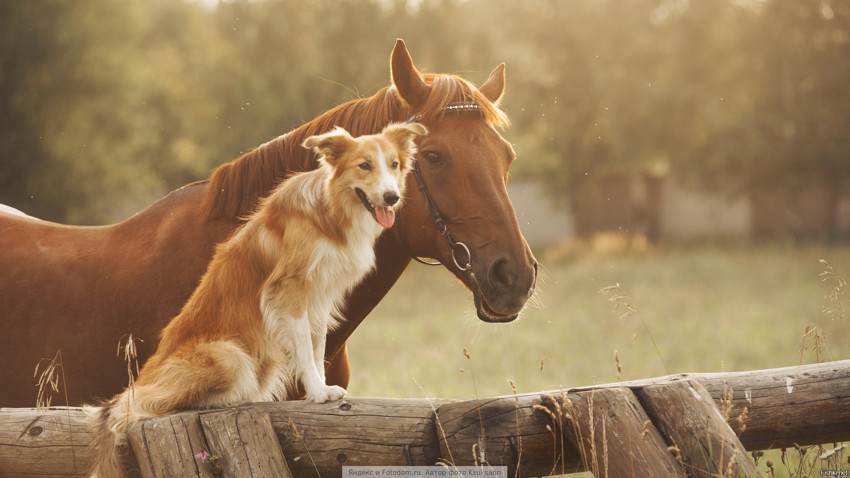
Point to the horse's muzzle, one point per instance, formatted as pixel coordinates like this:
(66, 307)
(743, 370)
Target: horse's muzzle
(506, 292)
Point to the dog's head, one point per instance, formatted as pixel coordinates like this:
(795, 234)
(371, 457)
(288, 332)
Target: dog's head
(372, 167)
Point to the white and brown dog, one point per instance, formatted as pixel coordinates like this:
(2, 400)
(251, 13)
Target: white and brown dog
(256, 325)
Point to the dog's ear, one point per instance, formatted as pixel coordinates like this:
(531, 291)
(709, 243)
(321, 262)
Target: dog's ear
(403, 136)
(331, 145)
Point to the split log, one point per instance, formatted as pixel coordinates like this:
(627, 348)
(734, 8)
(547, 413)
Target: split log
(691, 421)
(614, 435)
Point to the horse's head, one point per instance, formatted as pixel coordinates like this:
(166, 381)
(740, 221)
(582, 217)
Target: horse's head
(458, 210)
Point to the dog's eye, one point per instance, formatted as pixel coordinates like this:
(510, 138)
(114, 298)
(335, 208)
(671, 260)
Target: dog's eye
(365, 166)
(395, 165)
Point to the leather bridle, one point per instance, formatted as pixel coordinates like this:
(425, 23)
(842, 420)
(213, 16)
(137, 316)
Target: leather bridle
(465, 265)
(454, 244)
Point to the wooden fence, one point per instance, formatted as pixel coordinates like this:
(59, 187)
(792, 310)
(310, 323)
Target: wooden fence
(699, 423)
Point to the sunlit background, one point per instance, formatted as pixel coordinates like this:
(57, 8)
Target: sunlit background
(697, 153)
(684, 166)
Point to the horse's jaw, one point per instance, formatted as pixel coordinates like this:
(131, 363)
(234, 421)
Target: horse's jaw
(487, 314)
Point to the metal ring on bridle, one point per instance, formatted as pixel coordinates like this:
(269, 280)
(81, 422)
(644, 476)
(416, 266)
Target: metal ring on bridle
(468, 265)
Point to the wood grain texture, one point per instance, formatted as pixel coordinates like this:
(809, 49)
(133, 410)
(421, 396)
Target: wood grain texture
(166, 446)
(246, 443)
(805, 405)
(692, 423)
(354, 432)
(615, 436)
(43, 443)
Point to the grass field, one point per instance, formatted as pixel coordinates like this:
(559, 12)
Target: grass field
(698, 309)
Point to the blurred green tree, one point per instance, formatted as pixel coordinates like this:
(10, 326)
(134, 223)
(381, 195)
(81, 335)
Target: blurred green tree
(106, 106)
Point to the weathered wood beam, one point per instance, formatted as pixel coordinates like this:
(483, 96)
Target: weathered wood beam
(43, 443)
(805, 405)
(320, 439)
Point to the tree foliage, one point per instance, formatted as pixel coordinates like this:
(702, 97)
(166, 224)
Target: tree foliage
(106, 105)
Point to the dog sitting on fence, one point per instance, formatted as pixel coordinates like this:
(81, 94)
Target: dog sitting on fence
(256, 325)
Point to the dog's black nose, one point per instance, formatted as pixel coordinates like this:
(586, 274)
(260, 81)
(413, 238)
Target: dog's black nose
(390, 197)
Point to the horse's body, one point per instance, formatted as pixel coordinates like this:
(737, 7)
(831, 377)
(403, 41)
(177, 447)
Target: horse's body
(80, 289)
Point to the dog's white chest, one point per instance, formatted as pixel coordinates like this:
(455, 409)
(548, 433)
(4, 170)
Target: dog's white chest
(338, 267)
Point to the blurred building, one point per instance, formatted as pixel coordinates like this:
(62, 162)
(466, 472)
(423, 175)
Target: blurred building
(664, 209)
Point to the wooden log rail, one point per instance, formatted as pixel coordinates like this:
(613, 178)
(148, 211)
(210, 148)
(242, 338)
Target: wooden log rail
(621, 429)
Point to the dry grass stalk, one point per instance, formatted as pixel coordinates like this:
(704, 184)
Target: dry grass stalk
(439, 426)
(836, 286)
(817, 339)
(48, 383)
(593, 463)
(561, 411)
(297, 435)
(132, 361)
(677, 454)
(617, 362)
(516, 420)
(645, 430)
(621, 299)
(130, 358)
(605, 445)
(742, 421)
(479, 453)
(555, 411)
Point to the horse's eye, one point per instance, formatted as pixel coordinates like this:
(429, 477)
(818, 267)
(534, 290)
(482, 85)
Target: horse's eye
(431, 156)
(365, 166)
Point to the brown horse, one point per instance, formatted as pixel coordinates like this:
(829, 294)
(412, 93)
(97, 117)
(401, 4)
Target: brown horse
(80, 289)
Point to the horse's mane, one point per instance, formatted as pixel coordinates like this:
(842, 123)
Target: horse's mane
(236, 187)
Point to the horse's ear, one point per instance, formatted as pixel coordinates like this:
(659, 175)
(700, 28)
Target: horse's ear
(330, 145)
(494, 87)
(407, 80)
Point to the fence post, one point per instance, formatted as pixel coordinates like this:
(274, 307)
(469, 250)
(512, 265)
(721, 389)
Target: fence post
(166, 446)
(687, 415)
(246, 442)
(613, 434)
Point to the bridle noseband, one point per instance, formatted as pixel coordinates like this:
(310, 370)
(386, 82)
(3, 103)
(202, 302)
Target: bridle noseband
(454, 244)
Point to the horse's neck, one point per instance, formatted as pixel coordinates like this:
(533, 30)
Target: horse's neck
(236, 187)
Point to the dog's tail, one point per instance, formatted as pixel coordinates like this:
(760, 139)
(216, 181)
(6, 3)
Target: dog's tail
(109, 424)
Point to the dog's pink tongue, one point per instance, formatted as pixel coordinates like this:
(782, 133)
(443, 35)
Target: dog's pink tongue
(385, 216)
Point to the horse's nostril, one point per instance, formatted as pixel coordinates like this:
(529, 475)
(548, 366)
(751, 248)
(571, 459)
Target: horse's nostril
(501, 275)
(390, 197)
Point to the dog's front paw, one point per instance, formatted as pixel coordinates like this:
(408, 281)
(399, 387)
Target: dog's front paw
(327, 394)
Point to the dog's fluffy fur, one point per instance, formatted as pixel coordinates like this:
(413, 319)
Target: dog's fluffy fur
(256, 325)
